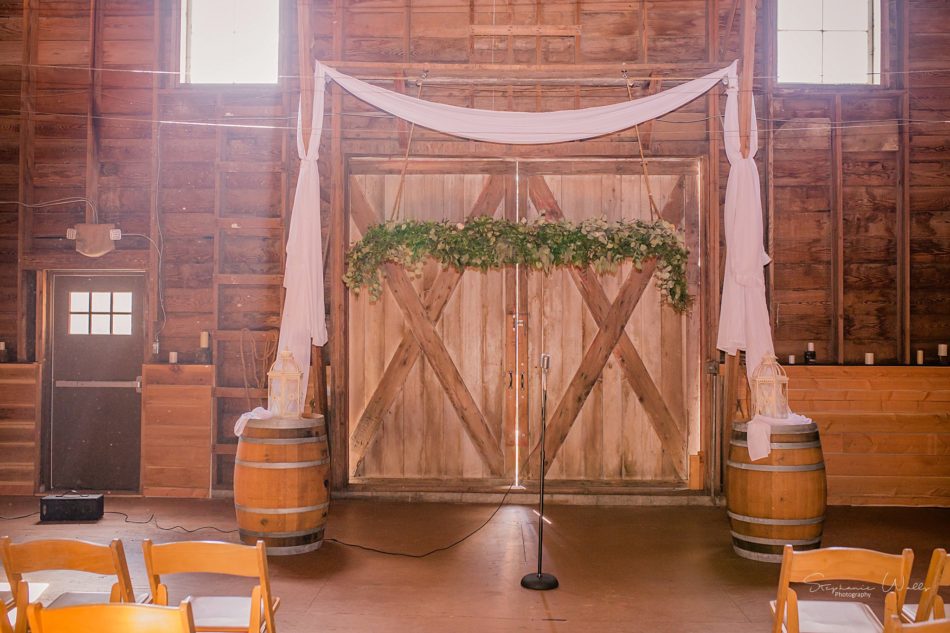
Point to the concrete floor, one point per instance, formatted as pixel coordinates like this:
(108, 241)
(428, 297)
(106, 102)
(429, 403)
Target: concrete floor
(650, 569)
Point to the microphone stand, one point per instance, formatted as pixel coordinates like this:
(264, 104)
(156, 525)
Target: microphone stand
(541, 581)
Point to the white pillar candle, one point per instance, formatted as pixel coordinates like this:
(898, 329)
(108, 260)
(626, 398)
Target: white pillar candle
(204, 340)
(791, 359)
(868, 358)
(172, 357)
(920, 357)
(3, 345)
(942, 349)
(811, 346)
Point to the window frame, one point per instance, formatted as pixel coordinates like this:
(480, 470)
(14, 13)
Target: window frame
(877, 51)
(180, 50)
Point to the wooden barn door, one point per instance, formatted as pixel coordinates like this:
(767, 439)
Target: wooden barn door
(427, 379)
(444, 384)
(625, 368)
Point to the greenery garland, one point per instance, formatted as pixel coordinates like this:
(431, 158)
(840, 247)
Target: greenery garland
(486, 243)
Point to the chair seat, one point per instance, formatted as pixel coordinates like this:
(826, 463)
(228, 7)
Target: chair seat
(221, 613)
(74, 598)
(815, 616)
(909, 612)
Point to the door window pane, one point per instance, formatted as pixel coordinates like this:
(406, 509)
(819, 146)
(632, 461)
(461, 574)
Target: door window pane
(101, 301)
(121, 301)
(100, 324)
(79, 324)
(122, 324)
(79, 302)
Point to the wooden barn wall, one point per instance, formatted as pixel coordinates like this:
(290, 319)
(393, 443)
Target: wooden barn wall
(858, 218)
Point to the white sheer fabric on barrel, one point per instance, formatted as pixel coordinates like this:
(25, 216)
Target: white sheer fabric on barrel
(744, 323)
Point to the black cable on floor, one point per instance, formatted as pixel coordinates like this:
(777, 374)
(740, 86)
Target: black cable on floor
(22, 516)
(436, 550)
(151, 519)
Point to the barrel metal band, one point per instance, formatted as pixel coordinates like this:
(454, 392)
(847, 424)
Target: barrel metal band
(290, 440)
(781, 445)
(774, 541)
(293, 549)
(766, 521)
(322, 506)
(283, 534)
(784, 429)
(281, 465)
(286, 423)
(773, 469)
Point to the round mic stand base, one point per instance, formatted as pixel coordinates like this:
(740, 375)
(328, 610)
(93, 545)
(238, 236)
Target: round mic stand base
(539, 582)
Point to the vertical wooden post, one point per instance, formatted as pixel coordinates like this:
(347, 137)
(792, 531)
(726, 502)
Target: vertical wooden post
(904, 215)
(339, 406)
(305, 70)
(748, 66)
(92, 114)
(837, 233)
(27, 161)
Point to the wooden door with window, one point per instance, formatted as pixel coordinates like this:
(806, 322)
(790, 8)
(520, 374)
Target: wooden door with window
(443, 368)
(96, 358)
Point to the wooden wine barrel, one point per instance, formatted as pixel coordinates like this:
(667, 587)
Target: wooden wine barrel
(281, 486)
(779, 499)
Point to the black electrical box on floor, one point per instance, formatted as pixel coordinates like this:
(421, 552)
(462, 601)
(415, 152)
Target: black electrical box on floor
(72, 507)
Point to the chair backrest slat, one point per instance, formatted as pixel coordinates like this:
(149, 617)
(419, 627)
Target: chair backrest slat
(59, 554)
(112, 618)
(202, 557)
(839, 563)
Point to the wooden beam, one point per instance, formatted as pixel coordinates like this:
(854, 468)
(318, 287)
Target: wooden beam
(672, 432)
(837, 233)
(27, 163)
(305, 70)
(745, 81)
(408, 351)
(92, 113)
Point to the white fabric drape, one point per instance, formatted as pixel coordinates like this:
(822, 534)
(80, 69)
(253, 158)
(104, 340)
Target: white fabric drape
(304, 320)
(529, 127)
(743, 315)
(744, 321)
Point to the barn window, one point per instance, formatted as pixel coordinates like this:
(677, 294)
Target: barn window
(229, 41)
(829, 41)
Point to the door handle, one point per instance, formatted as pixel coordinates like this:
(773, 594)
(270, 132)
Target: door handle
(522, 381)
(138, 384)
(511, 379)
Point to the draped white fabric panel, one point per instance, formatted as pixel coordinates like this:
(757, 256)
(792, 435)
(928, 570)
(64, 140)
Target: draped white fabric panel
(744, 322)
(304, 319)
(743, 315)
(530, 127)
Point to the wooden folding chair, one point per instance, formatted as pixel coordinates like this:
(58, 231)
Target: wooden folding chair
(894, 625)
(931, 605)
(888, 571)
(112, 618)
(5, 625)
(252, 614)
(62, 554)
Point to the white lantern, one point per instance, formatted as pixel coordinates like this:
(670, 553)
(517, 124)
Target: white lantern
(283, 387)
(770, 389)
